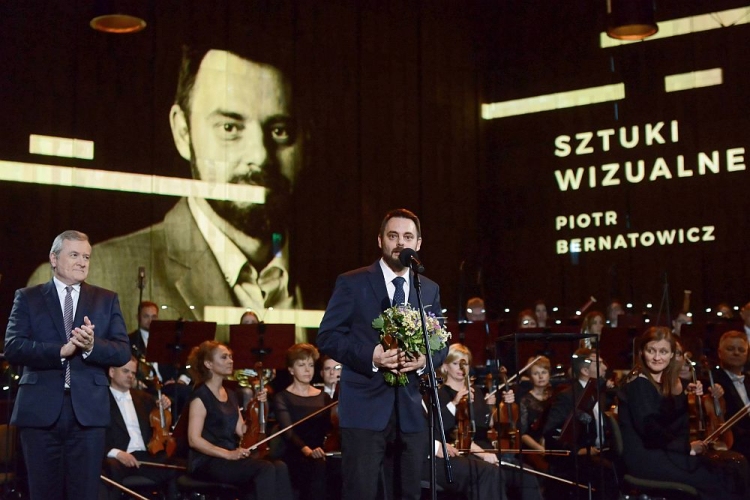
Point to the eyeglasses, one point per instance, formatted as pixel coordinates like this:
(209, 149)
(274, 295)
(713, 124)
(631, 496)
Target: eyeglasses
(332, 368)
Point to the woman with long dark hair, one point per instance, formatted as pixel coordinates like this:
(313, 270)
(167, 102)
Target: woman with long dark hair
(653, 415)
(215, 427)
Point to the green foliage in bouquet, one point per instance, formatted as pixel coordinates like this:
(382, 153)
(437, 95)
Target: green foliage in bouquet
(401, 327)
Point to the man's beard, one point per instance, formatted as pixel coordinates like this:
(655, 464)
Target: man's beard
(393, 262)
(259, 221)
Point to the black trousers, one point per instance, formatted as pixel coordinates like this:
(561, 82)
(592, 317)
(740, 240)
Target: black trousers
(363, 453)
(266, 479)
(117, 472)
(473, 478)
(65, 459)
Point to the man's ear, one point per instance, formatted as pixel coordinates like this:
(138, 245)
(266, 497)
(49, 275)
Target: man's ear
(180, 131)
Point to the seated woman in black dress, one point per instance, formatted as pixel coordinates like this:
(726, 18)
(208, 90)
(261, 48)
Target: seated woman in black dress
(303, 452)
(215, 426)
(654, 421)
(533, 409)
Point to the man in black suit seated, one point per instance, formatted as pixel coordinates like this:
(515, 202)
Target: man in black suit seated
(130, 432)
(733, 352)
(588, 433)
(176, 383)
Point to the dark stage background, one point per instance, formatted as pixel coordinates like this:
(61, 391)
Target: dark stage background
(391, 93)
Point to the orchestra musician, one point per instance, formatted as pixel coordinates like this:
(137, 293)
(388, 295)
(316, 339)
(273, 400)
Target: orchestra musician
(534, 405)
(476, 473)
(130, 432)
(733, 354)
(455, 371)
(526, 319)
(593, 323)
(303, 451)
(654, 421)
(215, 426)
(589, 431)
(331, 374)
(175, 384)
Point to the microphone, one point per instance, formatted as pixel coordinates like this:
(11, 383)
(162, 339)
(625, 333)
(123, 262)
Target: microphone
(409, 258)
(141, 277)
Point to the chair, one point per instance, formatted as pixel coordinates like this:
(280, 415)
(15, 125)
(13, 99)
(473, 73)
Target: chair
(188, 484)
(650, 487)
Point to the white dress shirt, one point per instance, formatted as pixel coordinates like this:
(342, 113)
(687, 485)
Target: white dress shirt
(739, 384)
(127, 410)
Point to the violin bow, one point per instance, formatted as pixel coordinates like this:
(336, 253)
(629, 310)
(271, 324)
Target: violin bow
(123, 488)
(556, 453)
(282, 431)
(543, 474)
(162, 466)
(745, 410)
(511, 379)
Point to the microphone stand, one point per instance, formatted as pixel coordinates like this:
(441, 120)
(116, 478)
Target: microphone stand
(433, 411)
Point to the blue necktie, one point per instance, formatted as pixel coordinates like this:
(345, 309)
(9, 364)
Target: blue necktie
(399, 297)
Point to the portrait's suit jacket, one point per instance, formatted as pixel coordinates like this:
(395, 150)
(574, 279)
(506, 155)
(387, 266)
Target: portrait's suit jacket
(34, 337)
(741, 431)
(346, 335)
(117, 433)
(180, 269)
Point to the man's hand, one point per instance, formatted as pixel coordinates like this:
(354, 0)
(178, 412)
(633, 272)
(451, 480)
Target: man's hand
(127, 459)
(452, 451)
(406, 365)
(67, 350)
(317, 453)
(164, 402)
(385, 359)
(83, 337)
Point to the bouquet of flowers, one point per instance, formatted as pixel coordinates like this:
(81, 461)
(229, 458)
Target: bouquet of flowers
(401, 327)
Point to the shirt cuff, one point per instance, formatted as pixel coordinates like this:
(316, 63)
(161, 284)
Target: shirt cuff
(184, 379)
(421, 371)
(374, 368)
(113, 453)
(451, 407)
(86, 354)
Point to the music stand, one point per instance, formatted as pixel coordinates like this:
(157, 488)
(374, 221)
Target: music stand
(169, 342)
(263, 342)
(478, 336)
(585, 404)
(522, 343)
(616, 347)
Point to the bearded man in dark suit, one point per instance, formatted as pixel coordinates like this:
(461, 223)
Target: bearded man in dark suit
(373, 414)
(62, 405)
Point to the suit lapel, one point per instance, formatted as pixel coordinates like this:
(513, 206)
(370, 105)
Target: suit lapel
(190, 265)
(85, 304)
(377, 282)
(116, 414)
(53, 305)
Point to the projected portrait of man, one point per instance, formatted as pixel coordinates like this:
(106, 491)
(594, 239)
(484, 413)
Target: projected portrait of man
(233, 121)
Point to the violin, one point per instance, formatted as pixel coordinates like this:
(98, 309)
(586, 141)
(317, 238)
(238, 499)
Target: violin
(695, 406)
(332, 442)
(506, 419)
(256, 418)
(715, 411)
(466, 424)
(161, 421)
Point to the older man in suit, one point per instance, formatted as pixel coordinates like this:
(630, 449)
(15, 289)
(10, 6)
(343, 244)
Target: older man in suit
(62, 405)
(733, 354)
(373, 414)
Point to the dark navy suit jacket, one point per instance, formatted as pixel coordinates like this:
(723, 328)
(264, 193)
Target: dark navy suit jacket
(346, 335)
(34, 337)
